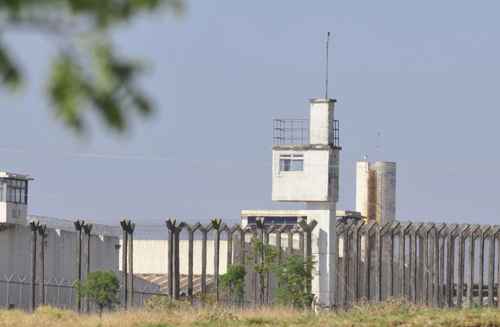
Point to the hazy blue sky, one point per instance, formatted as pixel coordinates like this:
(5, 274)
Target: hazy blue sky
(423, 74)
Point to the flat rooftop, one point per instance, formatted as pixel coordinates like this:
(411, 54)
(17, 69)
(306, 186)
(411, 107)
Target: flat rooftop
(5, 174)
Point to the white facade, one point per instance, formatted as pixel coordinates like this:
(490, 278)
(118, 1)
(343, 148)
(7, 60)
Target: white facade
(315, 177)
(376, 190)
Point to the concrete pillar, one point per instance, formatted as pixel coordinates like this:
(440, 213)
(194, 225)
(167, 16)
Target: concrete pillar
(321, 119)
(324, 251)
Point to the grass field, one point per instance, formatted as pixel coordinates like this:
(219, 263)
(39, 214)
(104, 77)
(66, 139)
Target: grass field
(388, 314)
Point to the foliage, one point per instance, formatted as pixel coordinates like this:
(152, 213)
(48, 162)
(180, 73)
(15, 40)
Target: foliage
(263, 256)
(293, 277)
(87, 72)
(102, 288)
(234, 282)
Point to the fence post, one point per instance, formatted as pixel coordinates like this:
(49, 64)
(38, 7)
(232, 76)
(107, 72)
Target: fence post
(130, 229)
(34, 226)
(441, 270)
(415, 254)
(87, 228)
(368, 260)
(191, 230)
(336, 297)
(42, 230)
(437, 286)
(451, 265)
(483, 234)
(470, 286)
(355, 260)
(461, 264)
(124, 224)
(391, 259)
(498, 269)
(216, 226)
(378, 265)
(427, 275)
(402, 255)
(347, 245)
(491, 267)
(204, 232)
(79, 226)
(171, 224)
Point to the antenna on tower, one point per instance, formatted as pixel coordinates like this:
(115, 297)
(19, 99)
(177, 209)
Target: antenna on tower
(327, 58)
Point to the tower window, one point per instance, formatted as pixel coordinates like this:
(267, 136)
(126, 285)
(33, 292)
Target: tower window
(291, 162)
(16, 191)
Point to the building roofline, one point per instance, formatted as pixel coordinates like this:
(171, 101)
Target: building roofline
(5, 174)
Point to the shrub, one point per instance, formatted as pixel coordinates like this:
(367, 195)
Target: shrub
(293, 276)
(233, 281)
(102, 288)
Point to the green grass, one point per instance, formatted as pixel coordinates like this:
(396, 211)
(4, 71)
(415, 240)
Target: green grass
(386, 314)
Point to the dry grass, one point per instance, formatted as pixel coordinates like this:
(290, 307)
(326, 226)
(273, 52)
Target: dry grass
(387, 314)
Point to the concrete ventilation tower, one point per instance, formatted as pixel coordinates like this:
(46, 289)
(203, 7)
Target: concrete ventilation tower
(376, 190)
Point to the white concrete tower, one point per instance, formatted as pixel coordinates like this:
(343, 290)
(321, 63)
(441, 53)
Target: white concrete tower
(13, 198)
(376, 190)
(306, 169)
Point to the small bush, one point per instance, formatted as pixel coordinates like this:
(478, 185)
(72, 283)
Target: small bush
(293, 276)
(233, 281)
(102, 288)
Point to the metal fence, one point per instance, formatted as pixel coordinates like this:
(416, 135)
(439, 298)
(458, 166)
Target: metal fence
(16, 293)
(239, 250)
(438, 265)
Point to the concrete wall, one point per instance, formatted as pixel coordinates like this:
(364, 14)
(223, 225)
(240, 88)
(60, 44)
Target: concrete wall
(60, 253)
(151, 257)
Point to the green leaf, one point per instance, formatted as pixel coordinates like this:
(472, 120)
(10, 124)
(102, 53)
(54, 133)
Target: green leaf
(9, 72)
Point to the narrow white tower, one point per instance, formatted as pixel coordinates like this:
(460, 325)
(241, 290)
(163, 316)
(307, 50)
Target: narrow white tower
(376, 190)
(13, 198)
(306, 169)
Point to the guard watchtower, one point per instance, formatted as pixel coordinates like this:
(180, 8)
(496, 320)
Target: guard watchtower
(13, 198)
(306, 157)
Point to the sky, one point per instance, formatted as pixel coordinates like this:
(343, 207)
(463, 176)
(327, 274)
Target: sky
(416, 83)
